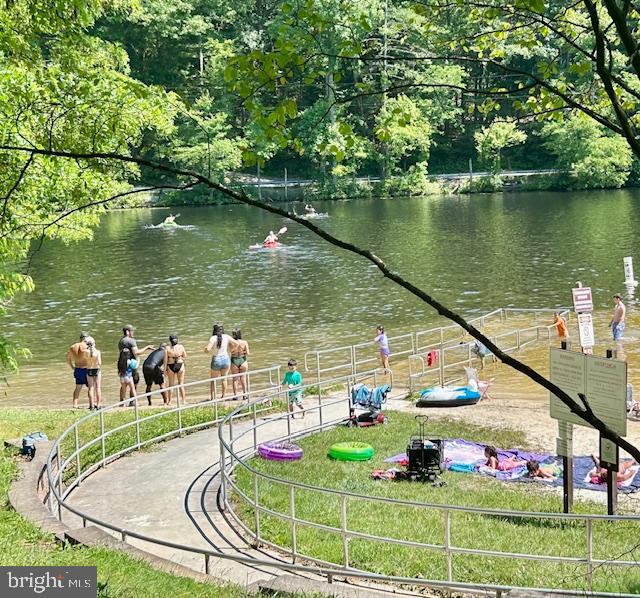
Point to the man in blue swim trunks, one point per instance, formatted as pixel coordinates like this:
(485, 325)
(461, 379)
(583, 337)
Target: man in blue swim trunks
(617, 322)
(77, 360)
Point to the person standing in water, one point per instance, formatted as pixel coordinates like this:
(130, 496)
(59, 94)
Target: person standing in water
(77, 360)
(383, 343)
(94, 377)
(219, 345)
(176, 355)
(561, 326)
(239, 363)
(617, 322)
(309, 209)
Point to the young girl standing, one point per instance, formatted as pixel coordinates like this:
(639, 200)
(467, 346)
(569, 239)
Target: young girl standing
(383, 343)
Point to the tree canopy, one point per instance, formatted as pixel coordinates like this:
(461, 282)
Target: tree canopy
(204, 86)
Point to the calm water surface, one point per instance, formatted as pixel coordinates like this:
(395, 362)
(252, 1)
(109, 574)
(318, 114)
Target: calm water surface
(473, 254)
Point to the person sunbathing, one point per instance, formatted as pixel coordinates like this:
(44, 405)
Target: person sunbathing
(493, 461)
(535, 470)
(598, 475)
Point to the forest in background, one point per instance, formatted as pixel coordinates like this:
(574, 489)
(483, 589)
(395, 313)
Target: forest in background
(334, 90)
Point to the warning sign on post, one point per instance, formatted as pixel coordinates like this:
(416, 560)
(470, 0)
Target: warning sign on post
(602, 381)
(582, 300)
(585, 328)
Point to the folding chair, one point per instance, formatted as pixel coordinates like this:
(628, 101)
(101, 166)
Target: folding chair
(483, 385)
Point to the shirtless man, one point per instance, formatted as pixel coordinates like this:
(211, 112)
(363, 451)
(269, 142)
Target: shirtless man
(128, 342)
(617, 322)
(77, 360)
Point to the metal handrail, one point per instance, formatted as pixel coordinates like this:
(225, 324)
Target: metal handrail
(230, 459)
(447, 510)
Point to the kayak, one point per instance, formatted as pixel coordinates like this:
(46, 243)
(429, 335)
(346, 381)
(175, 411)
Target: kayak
(168, 224)
(448, 396)
(271, 245)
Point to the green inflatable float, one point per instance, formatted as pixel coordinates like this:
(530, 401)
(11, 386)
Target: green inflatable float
(351, 451)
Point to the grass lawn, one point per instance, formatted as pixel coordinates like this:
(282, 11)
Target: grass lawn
(517, 535)
(119, 575)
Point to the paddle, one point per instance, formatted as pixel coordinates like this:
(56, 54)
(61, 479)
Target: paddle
(282, 231)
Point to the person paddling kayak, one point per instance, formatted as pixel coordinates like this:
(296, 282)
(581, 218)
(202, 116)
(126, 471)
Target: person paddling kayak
(271, 239)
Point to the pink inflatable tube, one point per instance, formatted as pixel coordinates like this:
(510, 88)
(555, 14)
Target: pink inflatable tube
(280, 451)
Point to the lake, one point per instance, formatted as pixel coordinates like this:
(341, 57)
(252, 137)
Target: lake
(471, 253)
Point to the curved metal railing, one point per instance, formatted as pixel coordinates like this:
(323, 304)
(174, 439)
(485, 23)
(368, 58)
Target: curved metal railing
(65, 472)
(234, 495)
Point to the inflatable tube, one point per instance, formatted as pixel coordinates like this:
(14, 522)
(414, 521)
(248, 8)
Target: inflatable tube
(448, 396)
(280, 451)
(351, 451)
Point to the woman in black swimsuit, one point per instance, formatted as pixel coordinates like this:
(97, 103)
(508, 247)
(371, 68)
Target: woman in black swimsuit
(176, 355)
(239, 363)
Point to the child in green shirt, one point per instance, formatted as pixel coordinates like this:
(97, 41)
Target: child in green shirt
(293, 379)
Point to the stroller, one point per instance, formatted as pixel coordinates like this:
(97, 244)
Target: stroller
(369, 400)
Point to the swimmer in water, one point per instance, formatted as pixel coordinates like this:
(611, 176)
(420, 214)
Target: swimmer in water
(309, 209)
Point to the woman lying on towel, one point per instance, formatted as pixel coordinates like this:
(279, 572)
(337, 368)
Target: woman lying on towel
(542, 472)
(493, 461)
(598, 475)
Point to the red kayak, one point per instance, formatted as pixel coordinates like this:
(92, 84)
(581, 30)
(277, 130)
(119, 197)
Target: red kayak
(271, 245)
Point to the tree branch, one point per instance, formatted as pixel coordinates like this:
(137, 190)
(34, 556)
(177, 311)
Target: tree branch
(374, 259)
(15, 185)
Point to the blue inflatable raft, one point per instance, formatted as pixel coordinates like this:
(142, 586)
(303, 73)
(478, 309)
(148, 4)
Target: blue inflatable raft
(448, 396)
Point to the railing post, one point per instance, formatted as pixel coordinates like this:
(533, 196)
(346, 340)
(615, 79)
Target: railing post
(103, 448)
(354, 367)
(517, 338)
(77, 439)
(320, 402)
(256, 510)
(344, 531)
(59, 482)
(294, 532)
(589, 555)
(289, 414)
(206, 564)
(318, 367)
(223, 482)
(231, 443)
(255, 427)
(447, 543)
(179, 407)
(136, 414)
(441, 368)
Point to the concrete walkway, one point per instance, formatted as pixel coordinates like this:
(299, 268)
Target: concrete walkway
(171, 493)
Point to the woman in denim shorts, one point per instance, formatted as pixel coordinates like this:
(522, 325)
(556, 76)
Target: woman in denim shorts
(220, 345)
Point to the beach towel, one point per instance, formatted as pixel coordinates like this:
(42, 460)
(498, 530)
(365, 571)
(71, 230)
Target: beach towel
(465, 456)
